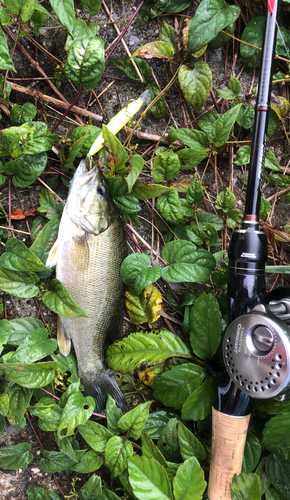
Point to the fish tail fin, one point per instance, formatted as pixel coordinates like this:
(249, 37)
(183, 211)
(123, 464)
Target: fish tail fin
(100, 386)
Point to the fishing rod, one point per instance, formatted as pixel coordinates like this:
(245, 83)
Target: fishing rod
(247, 292)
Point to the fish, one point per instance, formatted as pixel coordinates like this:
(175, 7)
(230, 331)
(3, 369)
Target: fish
(88, 253)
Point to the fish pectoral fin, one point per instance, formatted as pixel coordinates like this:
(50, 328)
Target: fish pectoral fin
(81, 253)
(63, 340)
(52, 256)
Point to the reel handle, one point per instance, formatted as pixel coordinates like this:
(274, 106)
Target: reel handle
(229, 435)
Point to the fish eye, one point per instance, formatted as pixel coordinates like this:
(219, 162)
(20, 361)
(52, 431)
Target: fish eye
(101, 190)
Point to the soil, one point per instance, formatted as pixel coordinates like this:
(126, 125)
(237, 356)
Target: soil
(114, 94)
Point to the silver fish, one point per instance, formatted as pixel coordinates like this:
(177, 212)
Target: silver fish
(88, 254)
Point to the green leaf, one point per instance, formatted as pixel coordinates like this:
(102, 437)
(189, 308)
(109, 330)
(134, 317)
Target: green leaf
(113, 414)
(148, 191)
(54, 461)
(135, 420)
(45, 239)
(252, 34)
(19, 258)
(31, 376)
(166, 166)
(48, 412)
(168, 441)
(125, 64)
(189, 445)
(117, 453)
(276, 436)
(205, 326)
(159, 108)
(90, 132)
(170, 207)
(195, 83)
(156, 421)
(280, 181)
(19, 399)
(90, 462)
(5, 59)
(272, 494)
(18, 284)
(189, 483)
(252, 453)
(186, 263)
(167, 34)
(173, 387)
(210, 18)
(67, 365)
(246, 487)
(278, 472)
(191, 157)
(36, 493)
(92, 6)
(26, 168)
(21, 327)
(194, 194)
(4, 408)
(150, 9)
(77, 411)
(5, 332)
(191, 137)
(85, 61)
(50, 203)
(22, 114)
(136, 273)
(15, 456)
(148, 477)
(225, 200)
(137, 349)
(95, 434)
(118, 155)
(150, 450)
(224, 124)
(65, 11)
(92, 489)
(243, 155)
(60, 302)
(126, 203)
(199, 404)
(109, 495)
(271, 161)
(33, 348)
(144, 307)
(159, 50)
(137, 164)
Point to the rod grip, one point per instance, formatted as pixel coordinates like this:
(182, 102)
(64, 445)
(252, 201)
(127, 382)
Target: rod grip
(229, 435)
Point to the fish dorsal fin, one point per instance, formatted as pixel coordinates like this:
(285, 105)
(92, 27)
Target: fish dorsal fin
(52, 256)
(64, 342)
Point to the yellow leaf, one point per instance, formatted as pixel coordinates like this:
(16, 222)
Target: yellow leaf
(143, 308)
(148, 375)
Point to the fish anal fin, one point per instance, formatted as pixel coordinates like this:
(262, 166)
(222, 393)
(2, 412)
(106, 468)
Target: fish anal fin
(63, 340)
(52, 256)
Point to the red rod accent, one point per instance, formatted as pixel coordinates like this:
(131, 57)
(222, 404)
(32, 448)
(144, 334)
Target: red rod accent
(271, 4)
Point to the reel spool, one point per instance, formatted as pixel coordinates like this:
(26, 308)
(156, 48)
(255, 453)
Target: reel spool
(256, 351)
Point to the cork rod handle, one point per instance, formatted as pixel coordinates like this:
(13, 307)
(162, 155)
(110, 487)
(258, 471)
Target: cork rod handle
(228, 442)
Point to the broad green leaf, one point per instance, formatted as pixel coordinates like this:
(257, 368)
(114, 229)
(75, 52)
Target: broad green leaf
(33, 348)
(253, 34)
(126, 203)
(210, 18)
(113, 414)
(246, 487)
(19, 399)
(130, 353)
(206, 218)
(149, 479)
(19, 258)
(15, 456)
(92, 6)
(118, 156)
(280, 181)
(191, 137)
(95, 434)
(272, 494)
(5, 59)
(117, 453)
(81, 28)
(48, 412)
(189, 445)
(125, 64)
(31, 376)
(144, 307)
(85, 61)
(173, 387)
(18, 284)
(77, 411)
(156, 421)
(278, 472)
(90, 132)
(148, 191)
(205, 326)
(60, 302)
(175, 6)
(22, 114)
(21, 327)
(137, 164)
(92, 489)
(276, 435)
(29, 139)
(64, 10)
(5, 332)
(195, 83)
(136, 273)
(109, 495)
(225, 200)
(90, 462)
(243, 155)
(167, 34)
(168, 442)
(191, 157)
(134, 308)
(151, 8)
(55, 461)
(159, 108)
(170, 207)
(50, 203)
(166, 166)
(135, 420)
(199, 404)
(67, 365)
(26, 168)
(271, 161)
(150, 450)
(224, 125)
(37, 493)
(189, 483)
(157, 49)
(45, 239)
(4, 407)
(186, 263)
(194, 193)
(246, 116)
(252, 453)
